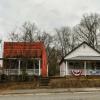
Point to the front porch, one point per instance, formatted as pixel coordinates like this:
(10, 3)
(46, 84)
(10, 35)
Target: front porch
(79, 67)
(19, 66)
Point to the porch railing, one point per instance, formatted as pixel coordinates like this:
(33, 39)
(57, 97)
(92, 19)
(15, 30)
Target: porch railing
(16, 71)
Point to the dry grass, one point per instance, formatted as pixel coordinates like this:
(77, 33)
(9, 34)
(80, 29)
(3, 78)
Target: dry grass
(18, 85)
(75, 82)
(55, 82)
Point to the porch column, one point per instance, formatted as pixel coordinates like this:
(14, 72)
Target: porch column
(66, 68)
(19, 67)
(85, 68)
(39, 67)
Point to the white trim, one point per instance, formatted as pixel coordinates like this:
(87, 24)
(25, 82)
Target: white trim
(66, 68)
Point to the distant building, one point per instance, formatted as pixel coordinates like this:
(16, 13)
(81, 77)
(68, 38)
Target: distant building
(83, 60)
(30, 57)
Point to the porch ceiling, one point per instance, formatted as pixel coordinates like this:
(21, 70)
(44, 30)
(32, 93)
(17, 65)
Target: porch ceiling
(96, 58)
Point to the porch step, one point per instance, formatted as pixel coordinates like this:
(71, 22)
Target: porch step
(44, 82)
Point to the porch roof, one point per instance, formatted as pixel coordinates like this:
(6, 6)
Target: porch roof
(17, 58)
(93, 58)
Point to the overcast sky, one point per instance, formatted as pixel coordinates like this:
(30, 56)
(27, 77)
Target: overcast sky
(47, 14)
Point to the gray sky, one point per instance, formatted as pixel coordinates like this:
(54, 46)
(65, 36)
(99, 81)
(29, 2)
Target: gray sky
(47, 14)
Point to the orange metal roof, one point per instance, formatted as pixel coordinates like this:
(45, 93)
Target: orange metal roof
(23, 49)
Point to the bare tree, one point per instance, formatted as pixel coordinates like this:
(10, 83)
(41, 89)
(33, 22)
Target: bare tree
(13, 36)
(74, 40)
(88, 29)
(28, 31)
(63, 39)
(47, 39)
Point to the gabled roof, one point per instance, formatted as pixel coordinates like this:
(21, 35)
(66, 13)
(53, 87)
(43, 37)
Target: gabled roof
(77, 48)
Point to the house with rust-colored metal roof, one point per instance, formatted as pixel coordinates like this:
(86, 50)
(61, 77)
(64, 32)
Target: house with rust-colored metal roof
(28, 56)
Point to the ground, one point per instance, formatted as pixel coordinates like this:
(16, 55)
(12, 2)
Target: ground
(54, 96)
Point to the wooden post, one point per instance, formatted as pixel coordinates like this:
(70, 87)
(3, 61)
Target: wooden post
(65, 69)
(85, 68)
(39, 67)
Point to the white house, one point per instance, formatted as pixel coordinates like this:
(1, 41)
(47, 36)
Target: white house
(83, 60)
